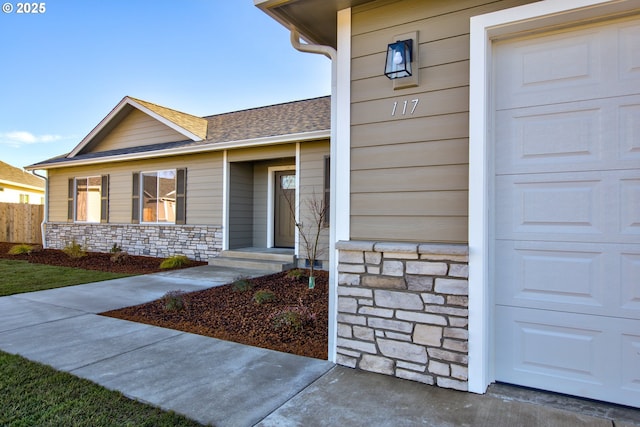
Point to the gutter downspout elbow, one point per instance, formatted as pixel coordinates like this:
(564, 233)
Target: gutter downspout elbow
(45, 217)
(327, 51)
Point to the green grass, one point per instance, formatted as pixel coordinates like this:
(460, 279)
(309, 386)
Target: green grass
(20, 276)
(32, 394)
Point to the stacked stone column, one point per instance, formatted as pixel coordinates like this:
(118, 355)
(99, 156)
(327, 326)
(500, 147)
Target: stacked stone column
(403, 310)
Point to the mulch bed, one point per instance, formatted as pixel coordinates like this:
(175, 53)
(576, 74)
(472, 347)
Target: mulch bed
(296, 321)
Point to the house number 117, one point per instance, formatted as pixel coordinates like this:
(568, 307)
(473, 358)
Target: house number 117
(405, 105)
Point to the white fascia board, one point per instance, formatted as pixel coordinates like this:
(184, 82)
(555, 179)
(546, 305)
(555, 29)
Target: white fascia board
(219, 146)
(124, 102)
(484, 30)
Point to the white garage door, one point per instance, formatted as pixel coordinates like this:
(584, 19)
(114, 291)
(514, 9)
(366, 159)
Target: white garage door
(566, 248)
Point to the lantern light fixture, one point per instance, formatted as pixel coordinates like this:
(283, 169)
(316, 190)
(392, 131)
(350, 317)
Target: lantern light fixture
(399, 58)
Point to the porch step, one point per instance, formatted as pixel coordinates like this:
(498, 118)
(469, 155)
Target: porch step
(254, 259)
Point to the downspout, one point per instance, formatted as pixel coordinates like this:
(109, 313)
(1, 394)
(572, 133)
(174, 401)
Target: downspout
(46, 208)
(332, 54)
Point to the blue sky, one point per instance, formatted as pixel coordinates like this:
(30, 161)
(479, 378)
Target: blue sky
(62, 71)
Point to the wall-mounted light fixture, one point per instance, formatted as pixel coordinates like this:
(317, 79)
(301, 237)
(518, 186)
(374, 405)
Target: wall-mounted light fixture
(402, 64)
(399, 56)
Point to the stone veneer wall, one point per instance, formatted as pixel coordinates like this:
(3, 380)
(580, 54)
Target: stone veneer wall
(198, 242)
(403, 310)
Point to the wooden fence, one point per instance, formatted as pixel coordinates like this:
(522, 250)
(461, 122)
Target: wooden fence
(20, 223)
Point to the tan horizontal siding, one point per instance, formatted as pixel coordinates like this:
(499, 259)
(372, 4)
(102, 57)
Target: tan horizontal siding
(204, 186)
(433, 203)
(137, 129)
(427, 153)
(434, 79)
(312, 155)
(410, 228)
(441, 102)
(432, 54)
(450, 126)
(262, 153)
(427, 178)
(409, 168)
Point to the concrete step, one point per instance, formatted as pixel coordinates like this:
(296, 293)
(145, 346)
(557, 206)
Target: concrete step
(283, 255)
(251, 264)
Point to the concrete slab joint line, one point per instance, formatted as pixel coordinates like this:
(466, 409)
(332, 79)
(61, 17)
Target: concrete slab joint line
(277, 389)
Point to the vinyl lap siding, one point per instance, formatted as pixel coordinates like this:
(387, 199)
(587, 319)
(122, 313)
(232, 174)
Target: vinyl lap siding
(312, 156)
(136, 129)
(409, 173)
(204, 187)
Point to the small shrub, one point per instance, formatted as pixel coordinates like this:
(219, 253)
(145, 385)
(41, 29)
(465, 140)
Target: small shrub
(74, 250)
(174, 301)
(261, 296)
(241, 285)
(176, 261)
(115, 249)
(294, 318)
(296, 273)
(119, 257)
(20, 250)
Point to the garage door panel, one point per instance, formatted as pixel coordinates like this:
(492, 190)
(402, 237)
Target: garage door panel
(629, 147)
(577, 136)
(630, 286)
(630, 363)
(569, 353)
(630, 206)
(567, 66)
(558, 207)
(629, 51)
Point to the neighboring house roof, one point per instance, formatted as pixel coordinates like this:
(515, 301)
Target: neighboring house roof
(20, 178)
(308, 119)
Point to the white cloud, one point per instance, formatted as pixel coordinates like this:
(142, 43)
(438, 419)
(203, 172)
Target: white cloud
(19, 138)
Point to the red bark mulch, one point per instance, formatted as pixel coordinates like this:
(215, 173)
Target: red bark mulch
(295, 321)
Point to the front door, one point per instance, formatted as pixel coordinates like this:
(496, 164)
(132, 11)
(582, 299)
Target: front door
(284, 209)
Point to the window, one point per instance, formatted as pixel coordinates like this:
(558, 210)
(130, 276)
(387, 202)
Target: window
(159, 197)
(88, 199)
(24, 198)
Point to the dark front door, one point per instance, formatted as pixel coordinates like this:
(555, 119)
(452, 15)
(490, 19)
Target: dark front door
(284, 215)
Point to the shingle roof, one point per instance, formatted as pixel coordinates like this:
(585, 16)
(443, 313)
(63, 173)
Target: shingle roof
(18, 176)
(282, 119)
(193, 124)
(291, 118)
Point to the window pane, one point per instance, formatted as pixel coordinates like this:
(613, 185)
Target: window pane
(81, 199)
(167, 199)
(149, 197)
(88, 199)
(288, 182)
(93, 198)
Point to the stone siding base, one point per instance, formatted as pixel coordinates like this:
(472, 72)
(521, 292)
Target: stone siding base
(197, 242)
(403, 310)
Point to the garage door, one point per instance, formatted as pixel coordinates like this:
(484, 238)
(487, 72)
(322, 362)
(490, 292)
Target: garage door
(566, 188)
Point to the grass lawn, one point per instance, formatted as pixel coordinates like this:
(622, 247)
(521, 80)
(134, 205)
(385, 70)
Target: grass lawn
(32, 394)
(20, 276)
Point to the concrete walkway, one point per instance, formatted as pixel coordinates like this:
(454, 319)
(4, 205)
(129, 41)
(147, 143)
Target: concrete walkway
(228, 384)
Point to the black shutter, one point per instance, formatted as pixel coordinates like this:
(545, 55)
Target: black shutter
(181, 196)
(135, 199)
(70, 193)
(104, 199)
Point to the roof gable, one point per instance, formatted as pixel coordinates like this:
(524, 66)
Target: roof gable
(171, 125)
(19, 177)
